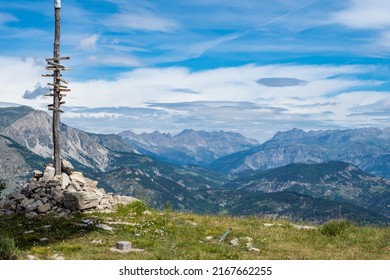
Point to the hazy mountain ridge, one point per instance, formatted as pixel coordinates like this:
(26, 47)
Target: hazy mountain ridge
(113, 161)
(366, 148)
(33, 131)
(188, 146)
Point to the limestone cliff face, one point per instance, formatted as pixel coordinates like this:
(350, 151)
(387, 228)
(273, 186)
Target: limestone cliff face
(16, 163)
(34, 131)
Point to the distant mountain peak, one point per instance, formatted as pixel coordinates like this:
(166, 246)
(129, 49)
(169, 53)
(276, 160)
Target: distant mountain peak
(292, 134)
(189, 146)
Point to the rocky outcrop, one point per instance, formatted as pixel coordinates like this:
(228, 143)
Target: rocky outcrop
(63, 194)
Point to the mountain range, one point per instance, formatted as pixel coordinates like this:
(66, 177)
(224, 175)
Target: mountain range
(312, 176)
(188, 147)
(367, 148)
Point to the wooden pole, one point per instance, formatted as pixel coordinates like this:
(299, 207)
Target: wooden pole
(56, 90)
(53, 64)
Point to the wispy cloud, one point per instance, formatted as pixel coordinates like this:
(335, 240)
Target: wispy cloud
(6, 18)
(145, 21)
(89, 42)
(373, 14)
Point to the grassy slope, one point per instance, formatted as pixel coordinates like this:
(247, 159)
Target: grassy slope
(172, 235)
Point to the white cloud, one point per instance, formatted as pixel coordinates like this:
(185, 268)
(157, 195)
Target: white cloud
(18, 75)
(89, 42)
(144, 21)
(123, 60)
(227, 98)
(372, 14)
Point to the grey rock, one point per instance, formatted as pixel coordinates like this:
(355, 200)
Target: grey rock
(17, 196)
(37, 174)
(123, 245)
(78, 177)
(26, 192)
(44, 208)
(33, 206)
(80, 200)
(58, 196)
(104, 227)
(66, 167)
(31, 215)
(27, 202)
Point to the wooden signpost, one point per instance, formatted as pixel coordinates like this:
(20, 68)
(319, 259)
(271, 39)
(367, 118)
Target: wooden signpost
(59, 86)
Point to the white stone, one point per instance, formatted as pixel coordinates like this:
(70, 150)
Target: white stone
(303, 227)
(234, 242)
(104, 227)
(65, 181)
(146, 213)
(247, 239)
(49, 173)
(78, 177)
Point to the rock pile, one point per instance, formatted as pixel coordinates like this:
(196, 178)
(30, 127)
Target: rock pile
(63, 194)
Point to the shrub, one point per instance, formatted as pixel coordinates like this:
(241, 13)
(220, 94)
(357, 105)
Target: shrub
(8, 249)
(336, 228)
(138, 207)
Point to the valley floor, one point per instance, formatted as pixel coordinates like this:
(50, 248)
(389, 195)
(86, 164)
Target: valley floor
(170, 235)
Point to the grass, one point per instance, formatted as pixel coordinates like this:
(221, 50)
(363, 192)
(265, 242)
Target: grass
(172, 235)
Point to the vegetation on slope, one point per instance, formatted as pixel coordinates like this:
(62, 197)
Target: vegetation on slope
(172, 235)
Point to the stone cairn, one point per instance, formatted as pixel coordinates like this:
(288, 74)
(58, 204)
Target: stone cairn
(61, 195)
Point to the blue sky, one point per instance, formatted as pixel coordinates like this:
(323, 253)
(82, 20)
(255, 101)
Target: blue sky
(254, 67)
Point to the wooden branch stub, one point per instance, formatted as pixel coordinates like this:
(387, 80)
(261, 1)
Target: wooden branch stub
(57, 110)
(57, 85)
(55, 64)
(58, 58)
(60, 89)
(53, 68)
(48, 75)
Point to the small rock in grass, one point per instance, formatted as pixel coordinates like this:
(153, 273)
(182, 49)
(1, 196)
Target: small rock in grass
(104, 227)
(146, 213)
(123, 245)
(234, 242)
